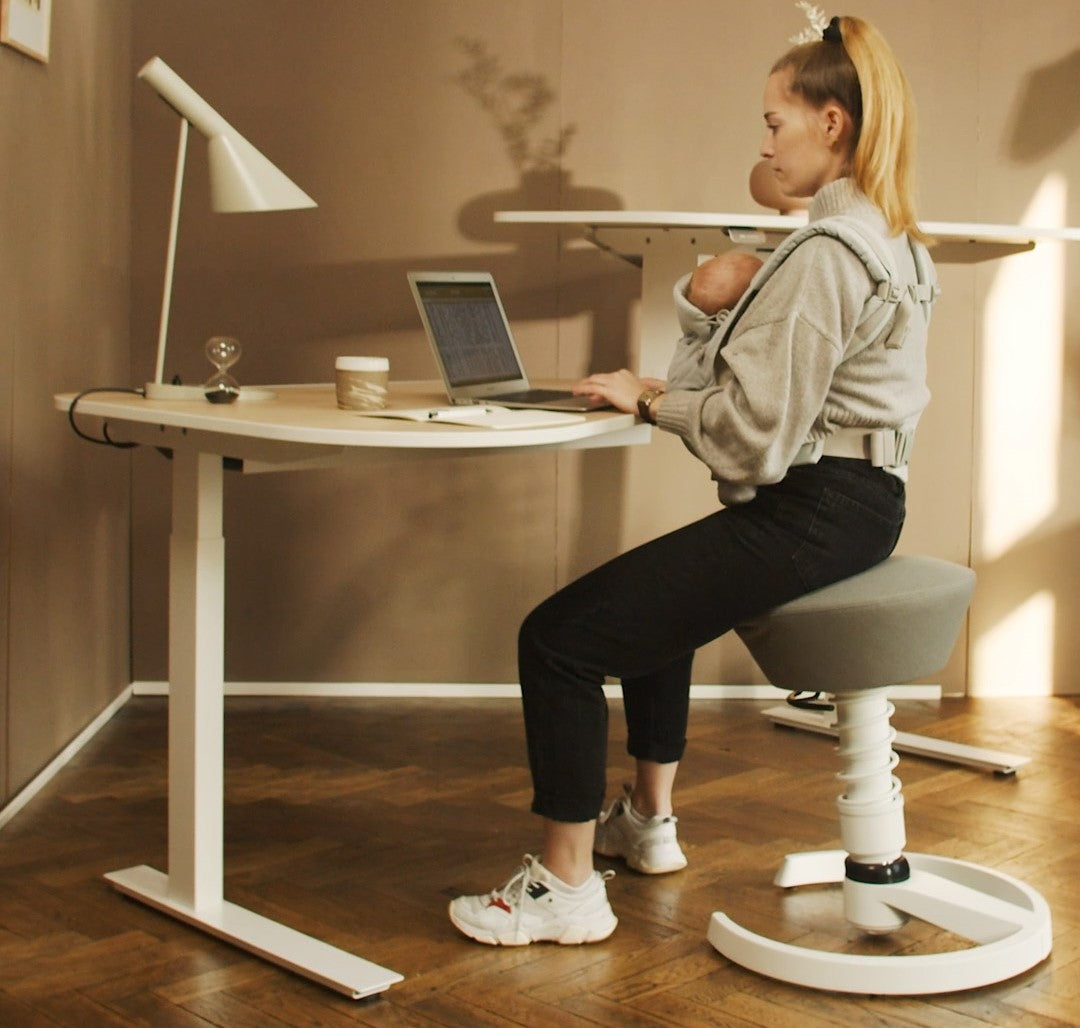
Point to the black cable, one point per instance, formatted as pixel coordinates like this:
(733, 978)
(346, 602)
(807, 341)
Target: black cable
(105, 440)
(806, 700)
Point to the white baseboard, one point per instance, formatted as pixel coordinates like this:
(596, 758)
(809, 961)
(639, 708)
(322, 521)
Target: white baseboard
(471, 690)
(383, 690)
(46, 775)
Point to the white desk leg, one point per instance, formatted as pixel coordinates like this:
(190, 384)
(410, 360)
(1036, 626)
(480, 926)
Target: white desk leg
(664, 262)
(192, 890)
(196, 681)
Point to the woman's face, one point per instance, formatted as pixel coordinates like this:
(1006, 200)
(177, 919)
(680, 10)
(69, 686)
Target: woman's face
(806, 148)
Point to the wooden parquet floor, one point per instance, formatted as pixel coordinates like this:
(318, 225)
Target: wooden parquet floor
(357, 820)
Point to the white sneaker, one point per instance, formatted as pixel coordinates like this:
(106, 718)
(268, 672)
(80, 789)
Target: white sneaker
(535, 906)
(648, 844)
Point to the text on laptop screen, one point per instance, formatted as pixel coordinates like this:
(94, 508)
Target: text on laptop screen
(471, 336)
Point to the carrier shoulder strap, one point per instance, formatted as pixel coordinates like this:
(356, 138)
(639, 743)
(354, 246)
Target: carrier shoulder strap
(892, 303)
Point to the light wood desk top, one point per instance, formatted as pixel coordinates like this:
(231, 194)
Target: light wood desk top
(305, 419)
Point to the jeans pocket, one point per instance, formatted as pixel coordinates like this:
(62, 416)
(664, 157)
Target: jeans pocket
(847, 535)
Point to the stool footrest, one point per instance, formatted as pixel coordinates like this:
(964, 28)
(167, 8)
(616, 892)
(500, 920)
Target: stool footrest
(1008, 920)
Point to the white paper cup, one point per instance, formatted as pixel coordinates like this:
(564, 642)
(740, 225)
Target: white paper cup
(361, 382)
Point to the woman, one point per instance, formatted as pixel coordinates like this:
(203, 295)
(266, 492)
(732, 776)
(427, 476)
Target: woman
(791, 377)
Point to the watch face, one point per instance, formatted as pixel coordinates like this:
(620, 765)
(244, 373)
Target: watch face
(644, 403)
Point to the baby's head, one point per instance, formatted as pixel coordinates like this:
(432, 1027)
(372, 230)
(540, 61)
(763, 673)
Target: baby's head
(764, 190)
(719, 281)
(734, 271)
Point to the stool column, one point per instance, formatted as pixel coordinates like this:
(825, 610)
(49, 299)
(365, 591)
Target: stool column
(871, 809)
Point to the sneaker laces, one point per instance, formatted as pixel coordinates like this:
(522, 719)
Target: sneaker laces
(509, 895)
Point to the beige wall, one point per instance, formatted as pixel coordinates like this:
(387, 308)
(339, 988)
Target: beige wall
(64, 300)
(422, 572)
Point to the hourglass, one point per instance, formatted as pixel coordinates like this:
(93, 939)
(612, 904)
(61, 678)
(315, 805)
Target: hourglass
(223, 352)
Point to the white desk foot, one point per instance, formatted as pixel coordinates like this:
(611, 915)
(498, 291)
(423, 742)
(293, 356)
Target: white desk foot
(1007, 921)
(319, 961)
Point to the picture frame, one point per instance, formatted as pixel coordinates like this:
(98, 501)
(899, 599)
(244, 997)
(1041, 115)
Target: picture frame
(24, 25)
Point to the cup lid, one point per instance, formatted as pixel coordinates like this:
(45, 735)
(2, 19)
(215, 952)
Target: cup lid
(362, 363)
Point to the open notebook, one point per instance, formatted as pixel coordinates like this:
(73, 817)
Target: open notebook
(480, 416)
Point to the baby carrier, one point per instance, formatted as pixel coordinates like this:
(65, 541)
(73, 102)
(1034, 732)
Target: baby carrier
(889, 310)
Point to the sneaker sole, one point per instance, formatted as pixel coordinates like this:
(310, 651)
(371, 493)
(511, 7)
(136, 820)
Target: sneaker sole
(656, 869)
(572, 935)
(635, 864)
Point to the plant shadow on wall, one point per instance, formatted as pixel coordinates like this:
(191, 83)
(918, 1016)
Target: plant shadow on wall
(584, 281)
(543, 278)
(517, 104)
(1025, 570)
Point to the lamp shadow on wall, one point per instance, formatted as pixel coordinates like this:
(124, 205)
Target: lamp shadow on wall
(544, 278)
(1032, 606)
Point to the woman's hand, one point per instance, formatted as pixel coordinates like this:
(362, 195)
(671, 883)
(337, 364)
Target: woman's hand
(619, 388)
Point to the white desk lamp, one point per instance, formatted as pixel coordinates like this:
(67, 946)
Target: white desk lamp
(241, 179)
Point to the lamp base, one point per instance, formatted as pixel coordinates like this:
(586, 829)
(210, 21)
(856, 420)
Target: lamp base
(167, 391)
(190, 393)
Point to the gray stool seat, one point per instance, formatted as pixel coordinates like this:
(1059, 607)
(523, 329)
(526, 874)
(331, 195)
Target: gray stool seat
(892, 624)
(897, 622)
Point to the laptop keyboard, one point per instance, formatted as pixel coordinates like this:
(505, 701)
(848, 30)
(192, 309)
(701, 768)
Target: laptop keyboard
(531, 396)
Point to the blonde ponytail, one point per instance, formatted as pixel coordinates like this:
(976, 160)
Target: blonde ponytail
(861, 73)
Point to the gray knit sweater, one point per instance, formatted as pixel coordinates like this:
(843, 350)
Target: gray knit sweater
(792, 371)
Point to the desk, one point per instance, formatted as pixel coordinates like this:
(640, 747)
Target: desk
(301, 427)
(666, 245)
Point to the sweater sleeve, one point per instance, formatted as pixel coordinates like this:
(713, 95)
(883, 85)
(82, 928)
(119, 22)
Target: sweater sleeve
(769, 382)
(692, 364)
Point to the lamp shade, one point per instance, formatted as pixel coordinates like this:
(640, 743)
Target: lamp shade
(241, 178)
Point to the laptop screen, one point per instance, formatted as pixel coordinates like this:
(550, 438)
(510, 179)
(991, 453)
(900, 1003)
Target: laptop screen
(469, 330)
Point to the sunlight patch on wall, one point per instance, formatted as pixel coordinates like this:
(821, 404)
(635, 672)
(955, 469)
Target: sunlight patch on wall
(1015, 657)
(1021, 385)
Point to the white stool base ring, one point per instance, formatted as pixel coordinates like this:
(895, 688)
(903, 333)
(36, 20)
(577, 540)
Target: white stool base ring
(1008, 922)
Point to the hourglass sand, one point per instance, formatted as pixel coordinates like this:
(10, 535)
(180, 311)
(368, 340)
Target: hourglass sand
(223, 352)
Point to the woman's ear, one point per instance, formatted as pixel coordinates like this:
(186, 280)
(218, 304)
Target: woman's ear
(836, 123)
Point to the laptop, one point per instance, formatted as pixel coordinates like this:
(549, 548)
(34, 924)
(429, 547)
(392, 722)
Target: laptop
(474, 347)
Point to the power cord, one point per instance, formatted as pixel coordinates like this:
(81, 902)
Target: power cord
(806, 700)
(105, 440)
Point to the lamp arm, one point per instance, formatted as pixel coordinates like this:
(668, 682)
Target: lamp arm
(170, 253)
(182, 98)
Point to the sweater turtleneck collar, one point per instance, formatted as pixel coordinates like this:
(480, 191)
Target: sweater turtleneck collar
(842, 196)
(836, 197)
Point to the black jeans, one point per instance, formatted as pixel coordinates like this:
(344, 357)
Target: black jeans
(641, 616)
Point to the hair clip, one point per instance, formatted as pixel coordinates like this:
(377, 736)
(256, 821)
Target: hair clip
(831, 33)
(818, 23)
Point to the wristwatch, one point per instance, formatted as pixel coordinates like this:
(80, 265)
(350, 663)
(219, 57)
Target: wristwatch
(645, 402)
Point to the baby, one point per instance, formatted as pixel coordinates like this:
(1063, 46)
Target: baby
(718, 283)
